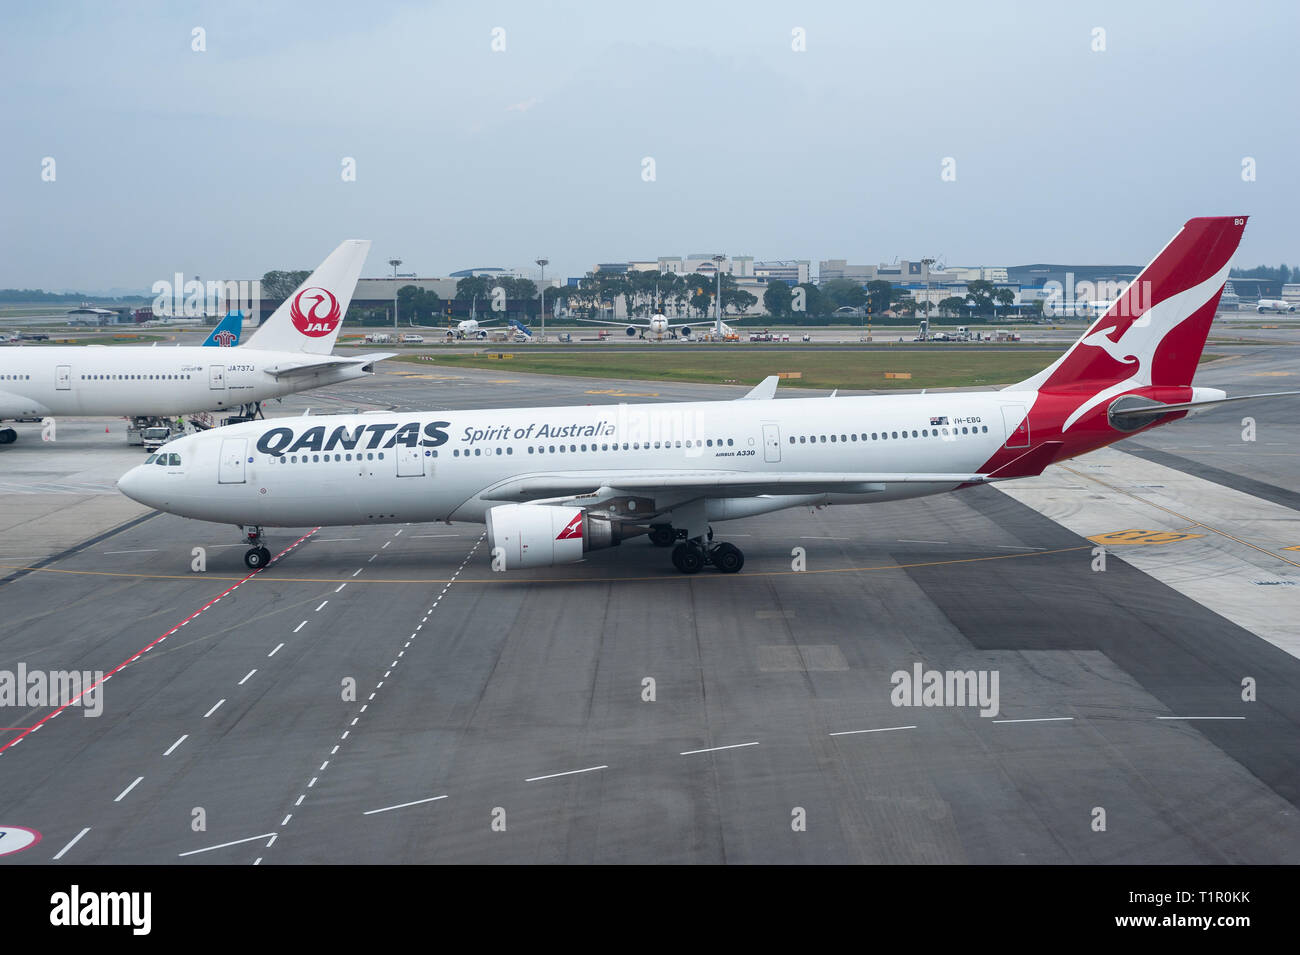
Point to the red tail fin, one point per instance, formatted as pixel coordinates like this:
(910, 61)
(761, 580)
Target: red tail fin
(1153, 334)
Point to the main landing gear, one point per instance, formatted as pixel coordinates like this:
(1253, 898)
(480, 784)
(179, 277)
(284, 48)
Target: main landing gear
(8, 435)
(257, 556)
(692, 556)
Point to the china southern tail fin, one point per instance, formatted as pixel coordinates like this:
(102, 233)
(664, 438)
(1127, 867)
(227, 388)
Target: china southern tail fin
(1154, 332)
(227, 332)
(309, 320)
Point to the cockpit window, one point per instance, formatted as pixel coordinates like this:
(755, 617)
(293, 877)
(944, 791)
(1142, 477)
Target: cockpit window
(174, 460)
(151, 459)
(162, 460)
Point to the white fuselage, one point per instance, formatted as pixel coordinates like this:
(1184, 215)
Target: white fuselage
(98, 380)
(435, 466)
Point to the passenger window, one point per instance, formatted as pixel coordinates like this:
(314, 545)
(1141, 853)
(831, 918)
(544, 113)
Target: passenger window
(381, 455)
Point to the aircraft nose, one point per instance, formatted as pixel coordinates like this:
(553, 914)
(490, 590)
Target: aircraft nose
(136, 484)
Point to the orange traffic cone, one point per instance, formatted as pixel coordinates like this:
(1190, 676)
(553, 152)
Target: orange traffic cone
(105, 429)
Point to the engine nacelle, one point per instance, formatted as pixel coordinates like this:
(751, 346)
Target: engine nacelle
(633, 331)
(540, 535)
(684, 331)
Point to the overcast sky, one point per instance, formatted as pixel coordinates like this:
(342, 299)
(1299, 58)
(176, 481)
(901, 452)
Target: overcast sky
(228, 162)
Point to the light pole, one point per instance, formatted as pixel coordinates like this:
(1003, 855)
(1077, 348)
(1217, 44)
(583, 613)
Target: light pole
(542, 263)
(394, 263)
(717, 262)
(927, 263)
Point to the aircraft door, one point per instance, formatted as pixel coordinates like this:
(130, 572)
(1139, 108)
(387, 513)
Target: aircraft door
(217, 377)
(63, 378)
(771, 443)
(1016, 422)
(230, 467)
(410, 462)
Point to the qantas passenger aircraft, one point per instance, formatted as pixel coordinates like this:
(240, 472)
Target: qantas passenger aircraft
(288, 353)
(554, 483)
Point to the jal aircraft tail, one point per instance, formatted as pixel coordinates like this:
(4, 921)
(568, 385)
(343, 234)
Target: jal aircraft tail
(309, 320)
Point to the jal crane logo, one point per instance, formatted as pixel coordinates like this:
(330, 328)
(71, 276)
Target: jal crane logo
(321, 315)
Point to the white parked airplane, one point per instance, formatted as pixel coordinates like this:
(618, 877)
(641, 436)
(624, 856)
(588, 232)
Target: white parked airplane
(656, 329)
(1275, 305)
(469, 328)
(288, 353)
(555, 483)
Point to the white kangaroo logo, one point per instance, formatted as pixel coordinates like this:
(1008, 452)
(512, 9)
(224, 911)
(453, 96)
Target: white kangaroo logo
(1115, 349)
(1138, 343)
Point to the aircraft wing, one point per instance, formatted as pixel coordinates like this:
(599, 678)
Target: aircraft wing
(309, 366)
(708, 483)
(598, 321)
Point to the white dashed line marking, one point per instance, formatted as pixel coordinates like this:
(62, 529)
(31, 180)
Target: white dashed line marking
(322, 605)
(75, 840)
(883, 729)
(237, 842)
(340, 586)
(122, 794)
(246, 676)
(172, 747)
(286, 820)
(214, 709)
(418, 802)
(276, 650)
(1196, 718)
(1041, 719)
(300, 799)
(358, 570)
(300, 626)
(714, 749)
(572, 772)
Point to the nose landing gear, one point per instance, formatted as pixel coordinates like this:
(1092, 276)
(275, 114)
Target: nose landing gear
(257, 556)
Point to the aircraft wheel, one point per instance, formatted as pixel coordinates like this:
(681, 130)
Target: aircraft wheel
(8, 435)
(662, 535)
(728, 558)
(688, 557)
(255, 558)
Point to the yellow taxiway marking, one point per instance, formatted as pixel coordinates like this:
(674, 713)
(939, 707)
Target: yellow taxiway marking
(1292, 547)
(1270, 374)
(619, 393)
(502, 381)
(1135, 536)
(502, 579)
(1182, 517)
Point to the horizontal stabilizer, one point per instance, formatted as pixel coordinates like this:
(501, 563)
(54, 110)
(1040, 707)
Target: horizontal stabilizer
(1154, 410)
(298, 369)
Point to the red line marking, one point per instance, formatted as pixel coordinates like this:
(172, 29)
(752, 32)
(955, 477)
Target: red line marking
(136, 656)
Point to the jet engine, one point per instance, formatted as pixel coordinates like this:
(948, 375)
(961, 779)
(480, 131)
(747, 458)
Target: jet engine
(540, 535)
(684, 331)
(633, 331)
